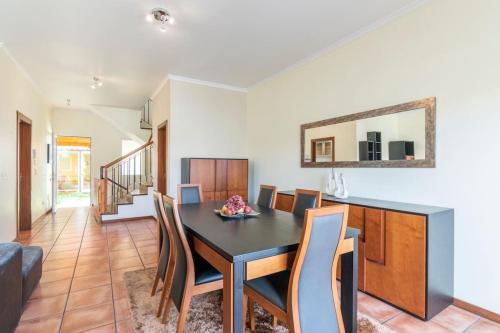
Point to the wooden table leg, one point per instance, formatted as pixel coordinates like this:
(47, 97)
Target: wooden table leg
(349, 288)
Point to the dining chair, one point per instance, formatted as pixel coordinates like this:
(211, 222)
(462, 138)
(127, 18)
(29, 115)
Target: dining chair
(305, 199)
(191, 276)
(189, 193)
(267, 196)
(165, 268)
(306, 298)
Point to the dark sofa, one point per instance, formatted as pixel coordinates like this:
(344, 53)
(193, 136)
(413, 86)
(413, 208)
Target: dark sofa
(20, 272)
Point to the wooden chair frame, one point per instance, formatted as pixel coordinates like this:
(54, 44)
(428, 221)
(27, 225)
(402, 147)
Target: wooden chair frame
(275, 193)
(291, 316)
(181, 186)
(308, 192)
(190, 289)
(169, 274)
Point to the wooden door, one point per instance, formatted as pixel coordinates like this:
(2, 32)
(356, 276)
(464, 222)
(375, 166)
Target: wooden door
(202, 171)
(220, 180)
(24, 172)
(400, 280)
(162, 158)
(237, 178)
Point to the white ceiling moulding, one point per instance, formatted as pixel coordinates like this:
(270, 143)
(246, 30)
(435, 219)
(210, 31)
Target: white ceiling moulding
(205, 83)
(346, 40)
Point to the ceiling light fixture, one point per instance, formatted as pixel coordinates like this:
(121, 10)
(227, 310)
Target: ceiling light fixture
(162, 17)
(96, 83)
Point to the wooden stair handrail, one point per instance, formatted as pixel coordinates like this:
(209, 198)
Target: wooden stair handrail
(135, 151)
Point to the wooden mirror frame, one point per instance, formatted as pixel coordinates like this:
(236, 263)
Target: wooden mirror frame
(429, 104)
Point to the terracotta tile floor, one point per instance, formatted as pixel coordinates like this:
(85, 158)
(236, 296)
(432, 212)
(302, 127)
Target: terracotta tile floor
(82, 288)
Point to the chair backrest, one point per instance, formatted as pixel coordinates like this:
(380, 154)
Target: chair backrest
(184, 266)
(305, 199)
(267, 196)
(313, 300)
(189, 193)
(166, 240)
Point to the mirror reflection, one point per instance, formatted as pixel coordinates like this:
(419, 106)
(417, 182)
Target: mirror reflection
(397, 136)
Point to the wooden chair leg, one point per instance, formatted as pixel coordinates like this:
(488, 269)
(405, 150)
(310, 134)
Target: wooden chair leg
(275, 321)
(155, 284)
(183, 313)
(166, 312)
(252, 314)
(167, 285)
(245, 310)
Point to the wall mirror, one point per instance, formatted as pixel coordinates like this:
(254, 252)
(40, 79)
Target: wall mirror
(399, 136)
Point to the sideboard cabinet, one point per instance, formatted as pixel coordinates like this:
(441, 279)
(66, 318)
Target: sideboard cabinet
(219, 178)
(405, 251)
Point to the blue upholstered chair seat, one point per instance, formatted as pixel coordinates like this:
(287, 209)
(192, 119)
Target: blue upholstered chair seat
(204, 272)
(31, 270)
(273, 287)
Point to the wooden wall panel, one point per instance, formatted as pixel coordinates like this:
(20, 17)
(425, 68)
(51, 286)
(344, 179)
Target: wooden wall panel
(401, 281)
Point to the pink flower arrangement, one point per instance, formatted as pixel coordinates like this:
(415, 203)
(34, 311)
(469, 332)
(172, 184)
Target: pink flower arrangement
(235, 203)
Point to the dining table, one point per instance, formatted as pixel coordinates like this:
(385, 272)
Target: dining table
(252, 247)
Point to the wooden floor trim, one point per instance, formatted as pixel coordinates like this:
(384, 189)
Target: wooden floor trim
(477, 310)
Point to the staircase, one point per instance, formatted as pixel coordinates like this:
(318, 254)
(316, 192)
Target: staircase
(125, 187)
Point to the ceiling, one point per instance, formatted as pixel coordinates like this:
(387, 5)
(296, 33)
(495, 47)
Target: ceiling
(62, 44)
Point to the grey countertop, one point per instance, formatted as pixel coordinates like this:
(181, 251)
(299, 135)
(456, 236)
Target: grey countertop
(382, 204)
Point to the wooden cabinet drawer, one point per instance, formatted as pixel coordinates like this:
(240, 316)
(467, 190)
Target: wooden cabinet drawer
(284, 202)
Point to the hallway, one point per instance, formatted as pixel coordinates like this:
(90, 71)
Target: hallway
(81, 289)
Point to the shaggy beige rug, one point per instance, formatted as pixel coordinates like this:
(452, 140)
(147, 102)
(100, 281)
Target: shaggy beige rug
(205, 312)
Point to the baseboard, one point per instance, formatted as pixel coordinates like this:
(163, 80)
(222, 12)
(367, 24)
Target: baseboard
(128, 219)
(477, 310)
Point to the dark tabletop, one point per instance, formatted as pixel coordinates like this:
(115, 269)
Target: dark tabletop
(382, 204)
(270, 233)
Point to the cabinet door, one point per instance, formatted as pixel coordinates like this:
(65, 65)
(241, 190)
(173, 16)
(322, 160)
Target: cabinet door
(357, 219)
(221, 176)
(284, 202)
(220, 195)
(242, 194)
(237, 175)
(202, 171)
(208, 196)
(401, 280)
(375, 235)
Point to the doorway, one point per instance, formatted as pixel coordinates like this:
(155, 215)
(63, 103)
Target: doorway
(23, 172)
(162, 158)
(73, 171)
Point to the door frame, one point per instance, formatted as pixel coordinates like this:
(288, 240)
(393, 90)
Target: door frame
(162, 156)
(55, 171)
(21, 118)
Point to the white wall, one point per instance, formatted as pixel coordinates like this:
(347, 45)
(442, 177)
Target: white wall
(160, 113)
(126, 121)
(446, 48)
(106, 140)
(203, 121)
(17, 93)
